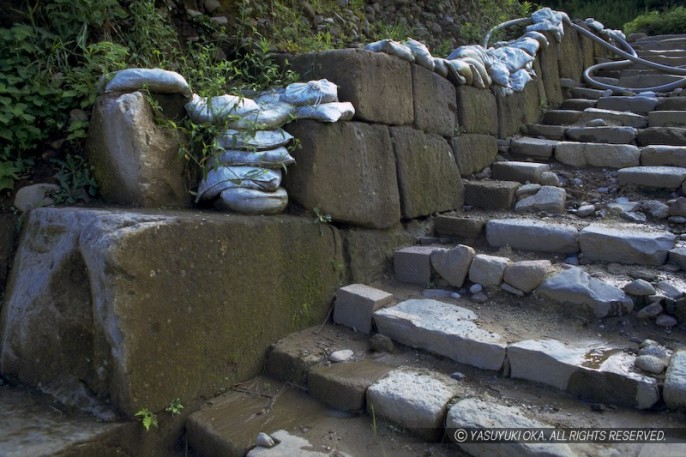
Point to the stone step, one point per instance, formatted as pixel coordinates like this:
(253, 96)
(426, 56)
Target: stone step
(490, 194)
(610, 134)
(647, 53)
(667, 119)
(561, 117)
(33, 425)
(588, 93)
(523, 172)
(672, 156)
(675, 136)
(659, 177)
(644, 81)
(637, 104)
(578, 104)
(671, 43)
(613, 117)
(671, 104)
(544, 131)
(536, 148)
(597, 154)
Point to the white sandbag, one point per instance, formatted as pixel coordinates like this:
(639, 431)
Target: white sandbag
(421, 53)
(519, 80)
(528, 44)
(250, 201)
(219, 109)
(479, 72)
(253, 140)
(327, 112)
(153, 79)
(269, 96)
(459, 72)
(310, 93)
(500, 74)
(273, 158)
(267, 117)
(440, 67)
(221, 178)
(474, 51)
(392, 48)
(546, 19)
(513, 58)
(538, 36)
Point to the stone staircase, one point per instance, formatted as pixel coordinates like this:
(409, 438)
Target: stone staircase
(556, 298)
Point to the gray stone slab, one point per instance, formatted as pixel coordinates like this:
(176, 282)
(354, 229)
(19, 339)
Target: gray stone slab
(522, 172)
(591, 370)
(476, 414)
(675, 136)
(561, 117)
(413, 264)
(551, 132)
(488, 270)
(587, 92)
(477, 110)
(458, 225)
(533, 147)
(490, 194)
(614, 117)
(532, 235)
(636, 104)
(672, 103)
(473, 152)
(526, 275)
(578, 104)
(656, 177)
(677, 256)
(667, 119)
(355, 304)
(645, 81)
(597, 154)
(575, 286)
(414, 399)
(443, 329)
(612, 134)
(343, 385)
(550, 199)
(675, 381)
(626, 244)
(672, 156)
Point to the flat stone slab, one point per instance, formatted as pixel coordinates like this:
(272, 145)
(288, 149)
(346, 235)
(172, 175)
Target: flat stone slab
(490, 194)
(587, 92)
(611, 134)
(561, 117)
(614, 117)
(625, 244)
(550, 199)
(667, 119)
(663, 155)
(355, 304)
(675, 136)
(551, 132)
(344, 385)
(443, 329)
(414, 398)
(635, 104)
(289, 445)
(532, 235)
(533, 147)
(675, 381)
(592, 371)
(413, 264)
(473, 414)
(459, 225)
(597, 154)
(575, 286)
(660, 177)
(522, 172)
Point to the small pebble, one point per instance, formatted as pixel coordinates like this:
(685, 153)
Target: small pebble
(513, 290)
(600, 407)
(665, 320)
(585, 210)
(479, 297)
(457, 376)
(264, 440)
(650, 364)
(572, 260)
(455, 295)
(475, 288)
(341, 356)
(381, 343)
(639, 288)
(652, 310)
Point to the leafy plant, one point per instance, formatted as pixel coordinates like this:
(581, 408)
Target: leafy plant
(659, 23)
(175, 407)
(320, 217)
(75, 180)
(147, 418)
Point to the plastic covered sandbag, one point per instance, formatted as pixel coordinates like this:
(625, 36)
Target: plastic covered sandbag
(327, 112)
(153, 79)
(392, 48)
(500, 74)
(546, 19)
(267, 117)
(221, 178)
(459, 72)
(513, 58)
(474, 51)
(519, 79)
(421, 53)
(542, 40)
(251, 201)
(269, 96)
(528, 44)
(219, 109)
(310, 93)
(253, 140)
(482, 79)
(440, 67)
(271, 158)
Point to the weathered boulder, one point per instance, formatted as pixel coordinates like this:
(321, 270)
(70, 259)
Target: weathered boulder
(488, 270)
(428, 177)
(575, 286)
(95, 296)
(134, 161)
(526, 275)
(347, 170)
(453, 264)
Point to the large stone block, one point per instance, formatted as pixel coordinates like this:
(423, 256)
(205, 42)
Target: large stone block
(462, 226)
(125, 302)
(532, 235)
(490, 194)
(435, 109)
(428, 177)
(347, 170)
(355, 304)
(134, 161)
(518, 110)
(413, 264)
(474, 152)
(477, 111)
(675, 136)
(675, 381)
(370, 252)
(570, 58)
(378, 85)
(597, 154)
(343, 385)
(550, 71)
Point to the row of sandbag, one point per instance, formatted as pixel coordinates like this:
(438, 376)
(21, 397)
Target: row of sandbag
(245, 175)
(508, 66)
